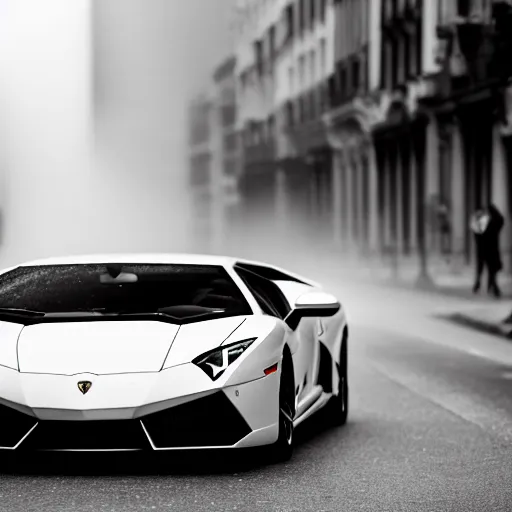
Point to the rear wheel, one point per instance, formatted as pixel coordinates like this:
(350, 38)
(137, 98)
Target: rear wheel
(337, 410)
(282, 450)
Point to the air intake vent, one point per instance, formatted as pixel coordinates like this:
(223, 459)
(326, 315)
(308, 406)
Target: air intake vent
(88, 435)
(14, 426)
(208, 421)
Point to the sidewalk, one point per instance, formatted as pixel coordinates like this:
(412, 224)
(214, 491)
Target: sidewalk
(477, 311)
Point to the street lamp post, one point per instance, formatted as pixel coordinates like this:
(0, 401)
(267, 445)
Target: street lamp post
(424, 279)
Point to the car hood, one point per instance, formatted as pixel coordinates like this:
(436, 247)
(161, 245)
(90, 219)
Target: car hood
(115, 347)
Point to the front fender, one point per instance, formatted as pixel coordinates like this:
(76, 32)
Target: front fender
(266, 352)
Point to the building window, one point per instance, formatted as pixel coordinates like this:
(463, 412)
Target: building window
(271, 128)
(463, 8)
(229, 168)
(290, 23)
(332, 91)
(290, 114)
(356, 75)
(256, 134)
(272, 43)
(291, 81)
(383, 64)
(323, 10)
(365, 85)
(418, 45)
(230, 143)
(312, 67)
(312, 104)
(258, 49)
(395, 63)
(365, 15)
(312, 13)
(389, 9)
(302, 16)
(323, 58)
(401, 59)
(228, 116)
(342, 81)
(302, 66)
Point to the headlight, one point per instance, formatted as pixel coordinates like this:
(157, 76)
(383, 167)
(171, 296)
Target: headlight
(215, 362)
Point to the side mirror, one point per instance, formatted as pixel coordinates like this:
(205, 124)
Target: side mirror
(312, 304)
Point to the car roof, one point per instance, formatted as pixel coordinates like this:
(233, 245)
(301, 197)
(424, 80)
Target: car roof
(150, 258)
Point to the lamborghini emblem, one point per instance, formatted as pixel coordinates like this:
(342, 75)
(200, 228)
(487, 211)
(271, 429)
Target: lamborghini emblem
(84, 386)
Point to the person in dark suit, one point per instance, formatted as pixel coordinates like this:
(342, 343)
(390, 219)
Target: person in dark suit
(492, 248)
(486, 226)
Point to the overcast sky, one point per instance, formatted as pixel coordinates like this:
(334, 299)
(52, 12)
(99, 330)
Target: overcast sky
(158, 52)
(203, 37)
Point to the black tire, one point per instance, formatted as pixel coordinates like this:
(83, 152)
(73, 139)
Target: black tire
(337, 409)
(282, 450)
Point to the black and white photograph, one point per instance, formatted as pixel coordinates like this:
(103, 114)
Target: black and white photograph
(256, 255)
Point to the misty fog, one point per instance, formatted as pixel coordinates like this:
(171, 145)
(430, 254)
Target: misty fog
(93, 145)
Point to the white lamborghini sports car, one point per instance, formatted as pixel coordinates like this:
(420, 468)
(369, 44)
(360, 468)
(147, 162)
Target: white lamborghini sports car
(165, 352)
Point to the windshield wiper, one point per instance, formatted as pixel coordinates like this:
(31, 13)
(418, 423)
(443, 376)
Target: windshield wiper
(171, 314)
(21, 311)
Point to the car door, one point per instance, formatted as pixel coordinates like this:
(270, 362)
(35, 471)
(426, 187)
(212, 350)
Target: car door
(306, 359)
(277, 297)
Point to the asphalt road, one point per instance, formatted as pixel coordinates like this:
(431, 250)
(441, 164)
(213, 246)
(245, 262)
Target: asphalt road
(430, 429)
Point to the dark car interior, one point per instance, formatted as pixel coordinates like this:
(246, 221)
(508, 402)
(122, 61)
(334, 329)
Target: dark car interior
(177, 290)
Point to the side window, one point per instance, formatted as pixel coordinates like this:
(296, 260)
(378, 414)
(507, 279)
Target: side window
(268, 295)
(262, 303)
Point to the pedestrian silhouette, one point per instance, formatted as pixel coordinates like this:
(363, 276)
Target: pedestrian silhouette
(486, 225)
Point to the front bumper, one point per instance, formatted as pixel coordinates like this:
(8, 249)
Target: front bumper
(236, 416)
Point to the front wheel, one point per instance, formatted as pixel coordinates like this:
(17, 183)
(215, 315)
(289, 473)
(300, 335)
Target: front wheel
(282, 450)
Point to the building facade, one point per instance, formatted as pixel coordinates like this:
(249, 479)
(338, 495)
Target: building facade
(418, 122)
(284, 60)
(402, 132)
(381, 124)
(353, 105)
(225, 139)
(201, 169)
(469, 111)
(304, 63)
(441, 147)
(255, 43)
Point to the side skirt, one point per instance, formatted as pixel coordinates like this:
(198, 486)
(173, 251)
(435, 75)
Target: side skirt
(315, 407)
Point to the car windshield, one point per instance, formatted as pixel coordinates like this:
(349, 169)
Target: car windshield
(177, 290)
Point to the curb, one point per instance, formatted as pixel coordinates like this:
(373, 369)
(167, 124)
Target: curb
(480, 325)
